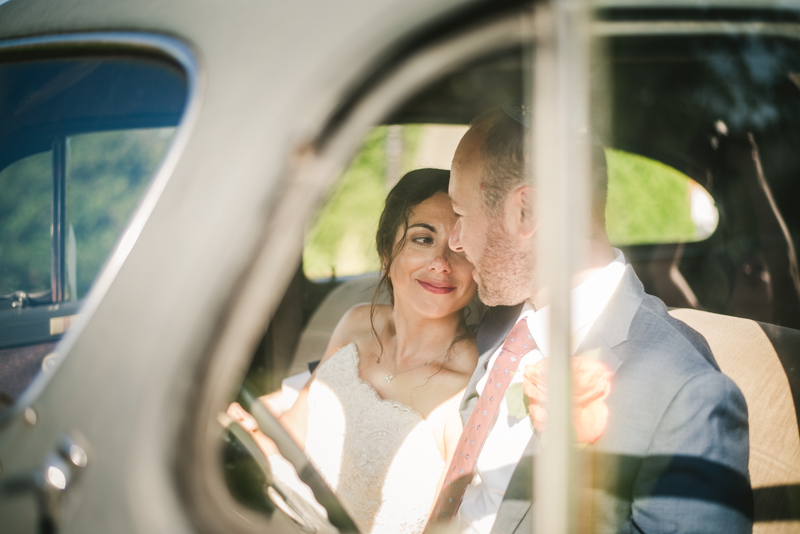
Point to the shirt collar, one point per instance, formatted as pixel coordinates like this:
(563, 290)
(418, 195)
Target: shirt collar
(588, 301)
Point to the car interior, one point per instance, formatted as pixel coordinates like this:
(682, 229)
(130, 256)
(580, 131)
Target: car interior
(714, 115)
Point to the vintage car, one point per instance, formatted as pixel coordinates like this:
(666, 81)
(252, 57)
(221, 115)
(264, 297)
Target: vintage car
(188, 193)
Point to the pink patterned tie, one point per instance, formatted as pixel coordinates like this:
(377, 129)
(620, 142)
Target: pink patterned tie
(462, 467)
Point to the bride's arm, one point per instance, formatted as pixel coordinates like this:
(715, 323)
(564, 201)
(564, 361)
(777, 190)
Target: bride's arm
(295, 419)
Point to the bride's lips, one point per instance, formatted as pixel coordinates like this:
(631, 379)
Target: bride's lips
(437, 288)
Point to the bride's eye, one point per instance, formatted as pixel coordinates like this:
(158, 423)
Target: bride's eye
(423, 240)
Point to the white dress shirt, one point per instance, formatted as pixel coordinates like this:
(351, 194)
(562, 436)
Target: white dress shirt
(510, 434)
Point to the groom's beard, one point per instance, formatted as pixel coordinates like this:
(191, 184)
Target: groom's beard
(505, 271)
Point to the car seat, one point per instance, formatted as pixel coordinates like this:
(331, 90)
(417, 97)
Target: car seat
(764, 361)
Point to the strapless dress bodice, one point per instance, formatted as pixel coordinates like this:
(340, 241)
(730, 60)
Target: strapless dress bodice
(378, 455)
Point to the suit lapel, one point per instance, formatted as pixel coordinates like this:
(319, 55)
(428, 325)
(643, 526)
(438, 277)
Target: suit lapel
(609, 330)
(494, 327)
(613, 325)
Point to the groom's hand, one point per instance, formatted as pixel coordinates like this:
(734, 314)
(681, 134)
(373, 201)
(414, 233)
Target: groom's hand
(591, 384)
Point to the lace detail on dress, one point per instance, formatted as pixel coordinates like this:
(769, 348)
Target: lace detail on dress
(378, 455)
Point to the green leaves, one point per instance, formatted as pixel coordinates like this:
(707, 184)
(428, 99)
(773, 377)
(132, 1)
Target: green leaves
(516, 401)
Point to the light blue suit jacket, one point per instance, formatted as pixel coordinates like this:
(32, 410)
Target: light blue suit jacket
(674, 455)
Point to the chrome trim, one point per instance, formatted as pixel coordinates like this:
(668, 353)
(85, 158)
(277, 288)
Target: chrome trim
(170, 48)
(657, 28)
(58, 216)
(771, 5)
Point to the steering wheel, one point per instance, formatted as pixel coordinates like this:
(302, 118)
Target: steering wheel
(254, 485)
(283, 497)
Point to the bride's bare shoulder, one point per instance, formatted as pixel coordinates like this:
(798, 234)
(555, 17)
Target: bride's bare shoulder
(356, 324)
(359, 318)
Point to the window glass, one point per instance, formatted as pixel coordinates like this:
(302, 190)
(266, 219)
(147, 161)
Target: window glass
(701, 198)
(723, 111)
(108, 174)
(341, 241)
(25, 205)
(649, 202)
(703, 195)
(80, 140)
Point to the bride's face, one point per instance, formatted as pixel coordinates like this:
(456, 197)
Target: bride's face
(427, 276)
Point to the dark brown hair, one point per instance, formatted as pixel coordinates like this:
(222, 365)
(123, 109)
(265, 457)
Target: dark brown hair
(414, 188)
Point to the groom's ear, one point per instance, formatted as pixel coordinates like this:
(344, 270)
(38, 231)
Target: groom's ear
(520, 211)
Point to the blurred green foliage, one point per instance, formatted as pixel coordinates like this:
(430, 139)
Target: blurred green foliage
(648, 202)
(108, 173)
(26, 196)
(342, 239)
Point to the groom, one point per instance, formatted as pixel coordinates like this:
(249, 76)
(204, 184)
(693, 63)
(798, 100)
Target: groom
(673, 455)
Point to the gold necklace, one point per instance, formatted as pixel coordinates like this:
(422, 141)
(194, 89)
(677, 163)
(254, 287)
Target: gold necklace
(388, 378)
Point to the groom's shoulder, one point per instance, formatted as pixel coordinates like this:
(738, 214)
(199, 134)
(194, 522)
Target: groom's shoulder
(669, 380)
(666, 347)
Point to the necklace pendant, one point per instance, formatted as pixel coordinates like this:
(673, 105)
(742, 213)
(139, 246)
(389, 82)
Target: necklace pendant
(388, 378)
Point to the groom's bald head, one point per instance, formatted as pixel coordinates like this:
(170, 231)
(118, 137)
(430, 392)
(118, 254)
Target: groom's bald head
(502, 155)
(494, 228)
(496, 207)
(502, 142)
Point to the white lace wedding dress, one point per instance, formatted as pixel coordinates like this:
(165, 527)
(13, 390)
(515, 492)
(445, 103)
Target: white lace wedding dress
(379, 456)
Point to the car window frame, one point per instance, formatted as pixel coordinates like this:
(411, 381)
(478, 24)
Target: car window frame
(112, 43)
(313, 173)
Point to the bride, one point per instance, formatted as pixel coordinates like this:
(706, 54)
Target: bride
(379, 418)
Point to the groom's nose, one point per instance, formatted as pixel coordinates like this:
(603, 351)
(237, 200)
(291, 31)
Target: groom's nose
(455, 237)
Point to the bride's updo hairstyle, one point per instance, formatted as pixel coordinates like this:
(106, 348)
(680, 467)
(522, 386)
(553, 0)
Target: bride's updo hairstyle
(414, 188)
